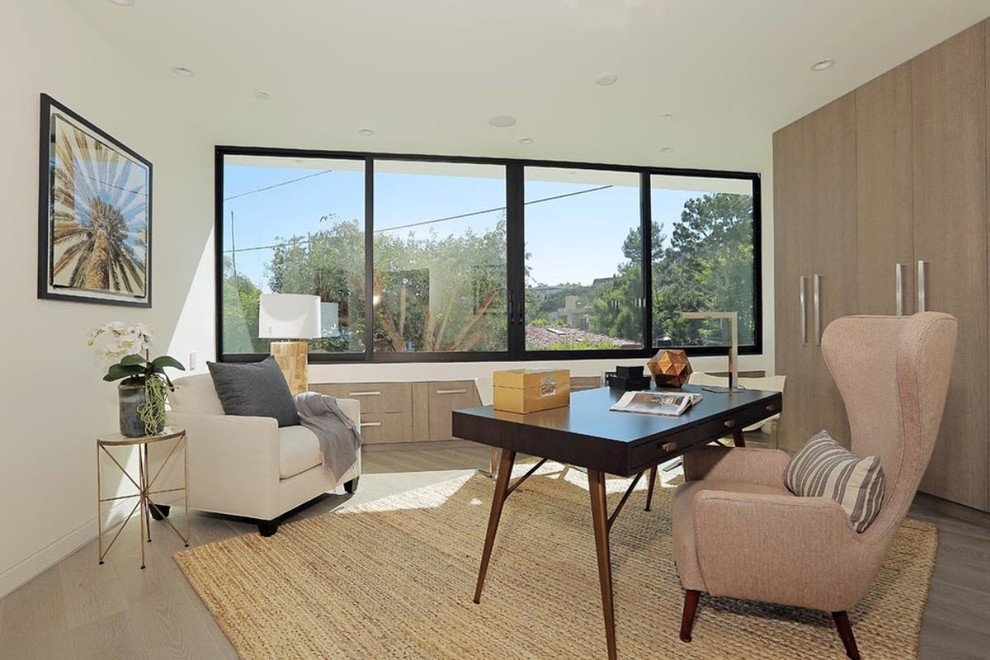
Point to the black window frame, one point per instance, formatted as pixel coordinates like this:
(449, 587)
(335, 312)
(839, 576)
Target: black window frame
(515, 257)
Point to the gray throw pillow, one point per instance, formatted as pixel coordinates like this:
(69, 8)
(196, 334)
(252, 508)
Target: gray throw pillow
(256, 389)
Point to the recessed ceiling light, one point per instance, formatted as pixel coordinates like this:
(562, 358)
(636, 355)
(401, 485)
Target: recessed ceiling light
(525, 140)
(666, 116)
(821, 65)
(123, 3)
(183, 71)
(367, 132)
(605, 79)
(264, 96)
(666, 150)
(502, 121)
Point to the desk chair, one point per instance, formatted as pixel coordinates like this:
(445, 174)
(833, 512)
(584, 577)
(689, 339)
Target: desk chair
(739, 533)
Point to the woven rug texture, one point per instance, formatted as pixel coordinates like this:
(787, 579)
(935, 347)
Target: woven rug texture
(394, 578)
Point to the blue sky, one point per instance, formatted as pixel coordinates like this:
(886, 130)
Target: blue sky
(575, 239)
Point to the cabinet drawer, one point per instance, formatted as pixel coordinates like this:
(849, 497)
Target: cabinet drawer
(445, 397)
(386, 427)
(374, 397)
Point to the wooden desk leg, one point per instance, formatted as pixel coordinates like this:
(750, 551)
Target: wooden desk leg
(737, 438)
(599, 519)
(649, 490)
(501, 486)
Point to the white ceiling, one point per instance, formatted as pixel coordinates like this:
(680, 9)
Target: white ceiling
(426, 75)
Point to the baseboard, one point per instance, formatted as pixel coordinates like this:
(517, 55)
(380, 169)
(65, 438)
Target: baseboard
(26, 570)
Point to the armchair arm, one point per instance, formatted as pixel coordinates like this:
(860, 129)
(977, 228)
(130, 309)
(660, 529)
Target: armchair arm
(745, 464)
(233, 463)
(785, 549)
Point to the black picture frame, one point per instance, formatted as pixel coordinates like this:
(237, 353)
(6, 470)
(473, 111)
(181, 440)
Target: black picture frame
(94, 213)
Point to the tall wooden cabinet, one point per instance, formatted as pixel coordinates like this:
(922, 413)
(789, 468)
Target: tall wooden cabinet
(815, 269)
(918, 193)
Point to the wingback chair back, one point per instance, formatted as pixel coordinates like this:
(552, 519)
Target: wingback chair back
(893, 375)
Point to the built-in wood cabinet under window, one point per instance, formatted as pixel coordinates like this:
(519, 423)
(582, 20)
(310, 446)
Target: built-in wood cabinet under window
(405, 412)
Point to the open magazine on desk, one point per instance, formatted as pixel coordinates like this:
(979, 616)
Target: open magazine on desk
(656, 402)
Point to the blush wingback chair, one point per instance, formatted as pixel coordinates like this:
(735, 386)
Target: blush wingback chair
(733, 512)
(248, 466)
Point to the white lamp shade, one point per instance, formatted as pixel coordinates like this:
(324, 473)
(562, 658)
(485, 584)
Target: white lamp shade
(289, 316)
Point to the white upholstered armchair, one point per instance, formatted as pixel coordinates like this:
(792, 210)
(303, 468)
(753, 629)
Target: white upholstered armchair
(248, 466)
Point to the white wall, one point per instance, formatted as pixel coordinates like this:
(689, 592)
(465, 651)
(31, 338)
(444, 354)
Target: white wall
(54, 403)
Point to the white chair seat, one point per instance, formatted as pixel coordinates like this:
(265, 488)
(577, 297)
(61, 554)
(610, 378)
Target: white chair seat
(298, 451)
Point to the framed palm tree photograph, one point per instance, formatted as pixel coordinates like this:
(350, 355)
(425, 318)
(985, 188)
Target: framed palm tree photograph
(94, 219)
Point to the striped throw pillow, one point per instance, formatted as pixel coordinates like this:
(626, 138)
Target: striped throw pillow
(824, 468)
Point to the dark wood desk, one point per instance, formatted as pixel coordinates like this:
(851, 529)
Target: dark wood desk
(587, 434)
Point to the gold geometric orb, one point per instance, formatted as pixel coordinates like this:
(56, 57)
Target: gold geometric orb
(670, 368)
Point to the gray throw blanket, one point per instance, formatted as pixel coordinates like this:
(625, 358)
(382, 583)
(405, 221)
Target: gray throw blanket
(340, 440)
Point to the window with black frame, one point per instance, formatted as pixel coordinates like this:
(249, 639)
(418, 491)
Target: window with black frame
(584, 275)
(293, 225)
(435, 237)
(704, 239)
(439, 258)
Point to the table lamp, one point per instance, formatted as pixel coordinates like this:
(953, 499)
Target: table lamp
(733, 346)
(290, 316)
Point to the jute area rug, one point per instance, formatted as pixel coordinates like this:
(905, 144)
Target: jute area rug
(394, 579)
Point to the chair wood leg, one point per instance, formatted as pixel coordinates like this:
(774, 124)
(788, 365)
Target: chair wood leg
(846, 633)
(691, 597)
(649, 489)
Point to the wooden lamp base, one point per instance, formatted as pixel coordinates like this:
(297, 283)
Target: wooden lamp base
(292, 359)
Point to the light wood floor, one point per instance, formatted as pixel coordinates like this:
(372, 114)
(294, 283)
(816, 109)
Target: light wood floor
(78, 609)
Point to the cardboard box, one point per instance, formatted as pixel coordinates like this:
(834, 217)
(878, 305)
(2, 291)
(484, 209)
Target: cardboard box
(531, 390)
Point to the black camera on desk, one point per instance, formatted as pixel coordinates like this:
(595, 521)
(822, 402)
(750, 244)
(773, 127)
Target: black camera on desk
(626, 379)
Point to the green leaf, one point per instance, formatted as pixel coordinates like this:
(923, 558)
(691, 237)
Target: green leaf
(118, 371)
(129, 360)
(167, 361)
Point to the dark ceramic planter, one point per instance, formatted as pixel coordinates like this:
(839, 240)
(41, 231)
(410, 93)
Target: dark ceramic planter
(131, 398)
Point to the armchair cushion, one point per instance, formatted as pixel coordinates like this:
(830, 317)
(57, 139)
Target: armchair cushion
(256, 389)
(824, 468)
(298, 451)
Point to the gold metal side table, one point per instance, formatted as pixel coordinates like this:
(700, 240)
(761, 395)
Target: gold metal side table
(144, 484)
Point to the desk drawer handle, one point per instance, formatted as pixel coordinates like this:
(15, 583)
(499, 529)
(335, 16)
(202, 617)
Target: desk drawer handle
(771, 407)
(363, 424)
(729, 423)
(364, 394)
(451, 391)
(669, 446)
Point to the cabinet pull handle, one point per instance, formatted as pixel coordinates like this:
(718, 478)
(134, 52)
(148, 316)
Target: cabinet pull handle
(729, 423)
(452, 391)
(921, 286)
(899, 289)
(669, 446)
(817, 297)
(804, 309)
(364, 394)
(363, 424)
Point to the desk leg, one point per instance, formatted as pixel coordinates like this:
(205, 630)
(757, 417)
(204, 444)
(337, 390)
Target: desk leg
(501, 488)
(649, 490)
(737, 437)
(599, 519)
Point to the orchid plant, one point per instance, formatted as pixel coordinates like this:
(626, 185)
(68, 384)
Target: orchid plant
(130, 349)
